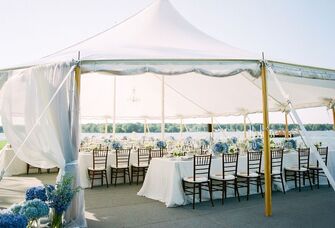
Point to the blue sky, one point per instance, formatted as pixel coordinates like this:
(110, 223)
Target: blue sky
(299, 31)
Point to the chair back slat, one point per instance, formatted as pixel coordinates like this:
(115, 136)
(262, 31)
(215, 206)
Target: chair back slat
(143, 156)
(163, 151)
(303, 157)
(156, 153)
(201, 165)
(122, 157)
(229, 164)
(277, 159)
(100, 157)
(323, 151)
(254, 161)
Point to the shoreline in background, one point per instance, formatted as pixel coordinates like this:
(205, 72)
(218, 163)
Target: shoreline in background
(175, 128)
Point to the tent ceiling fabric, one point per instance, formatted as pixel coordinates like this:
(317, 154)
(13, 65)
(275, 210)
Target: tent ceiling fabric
(203, 76)
(157, 32)
(193, 95)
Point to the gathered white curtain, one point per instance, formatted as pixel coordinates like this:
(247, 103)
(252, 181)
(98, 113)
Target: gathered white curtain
(40, 117)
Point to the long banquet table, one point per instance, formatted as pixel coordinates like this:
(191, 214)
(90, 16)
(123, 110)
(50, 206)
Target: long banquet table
(163, 180)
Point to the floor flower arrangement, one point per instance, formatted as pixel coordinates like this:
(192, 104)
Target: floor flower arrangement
(39, 201)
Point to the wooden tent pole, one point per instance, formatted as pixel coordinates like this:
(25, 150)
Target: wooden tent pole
(114, 108)
(286, 125)
(163, 108)
(333, 118)
(267, 157)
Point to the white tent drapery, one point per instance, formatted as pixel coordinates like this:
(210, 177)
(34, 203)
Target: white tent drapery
(38, 131)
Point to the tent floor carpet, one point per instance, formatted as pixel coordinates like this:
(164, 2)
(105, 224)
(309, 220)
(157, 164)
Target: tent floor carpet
(120, 207)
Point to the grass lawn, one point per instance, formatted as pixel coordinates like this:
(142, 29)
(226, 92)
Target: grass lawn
(2, 144)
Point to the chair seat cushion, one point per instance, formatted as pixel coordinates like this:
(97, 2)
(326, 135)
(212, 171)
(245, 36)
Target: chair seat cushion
(252, 174)
(296, 169)
(313, 166)
(274, 172)
(96, 168)
(120, 166)
(220, 177)
(197, 180)
(141, 165)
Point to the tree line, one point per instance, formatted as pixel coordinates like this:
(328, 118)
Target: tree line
(139, 127)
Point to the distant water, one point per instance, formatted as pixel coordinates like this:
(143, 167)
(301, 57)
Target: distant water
(326, 137)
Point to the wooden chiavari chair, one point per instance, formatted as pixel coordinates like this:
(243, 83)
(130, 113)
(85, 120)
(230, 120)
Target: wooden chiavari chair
(252, 176)
(316, 169)
(121, 166)
(226, 179)
(99, 168)
(276, 167)
(139, 169)
(200, 180)
(295, 173)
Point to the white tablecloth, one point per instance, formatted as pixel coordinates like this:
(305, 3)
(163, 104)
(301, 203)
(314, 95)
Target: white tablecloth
(85, 160)
(163, 180)
(17, 167)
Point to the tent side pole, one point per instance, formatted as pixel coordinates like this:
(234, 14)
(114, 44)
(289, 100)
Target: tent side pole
(163, 108)
(333, 118)
(267, 157)
(114, 108)
(245, 126)
(145, 128)
(212, 130)
(106, 126)
(181, 128)
(286, 126)
(77, 72)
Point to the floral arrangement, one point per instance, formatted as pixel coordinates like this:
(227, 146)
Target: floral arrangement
(233, 149)
(36, 193)
(188, 140)
(272, 144)
(148, 145)
(204, 142)
(33, 210)
(116, 145)
(161, 144)
(177, 153)
(38, 201)
(243, 145)
(11, 220)
(256, 144)
(107, 141)
(60, 197)
(318, 144)
(221, 147)
(290, 144)
(234, 140)
(172, 138)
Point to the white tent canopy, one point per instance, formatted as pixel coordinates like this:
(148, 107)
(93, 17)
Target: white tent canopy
(155, 65)
(159, 41)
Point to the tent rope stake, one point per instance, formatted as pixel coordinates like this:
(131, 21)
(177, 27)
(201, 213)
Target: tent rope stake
(268, 200)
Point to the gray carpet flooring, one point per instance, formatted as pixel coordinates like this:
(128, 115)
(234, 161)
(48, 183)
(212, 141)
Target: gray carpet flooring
(121, 207)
